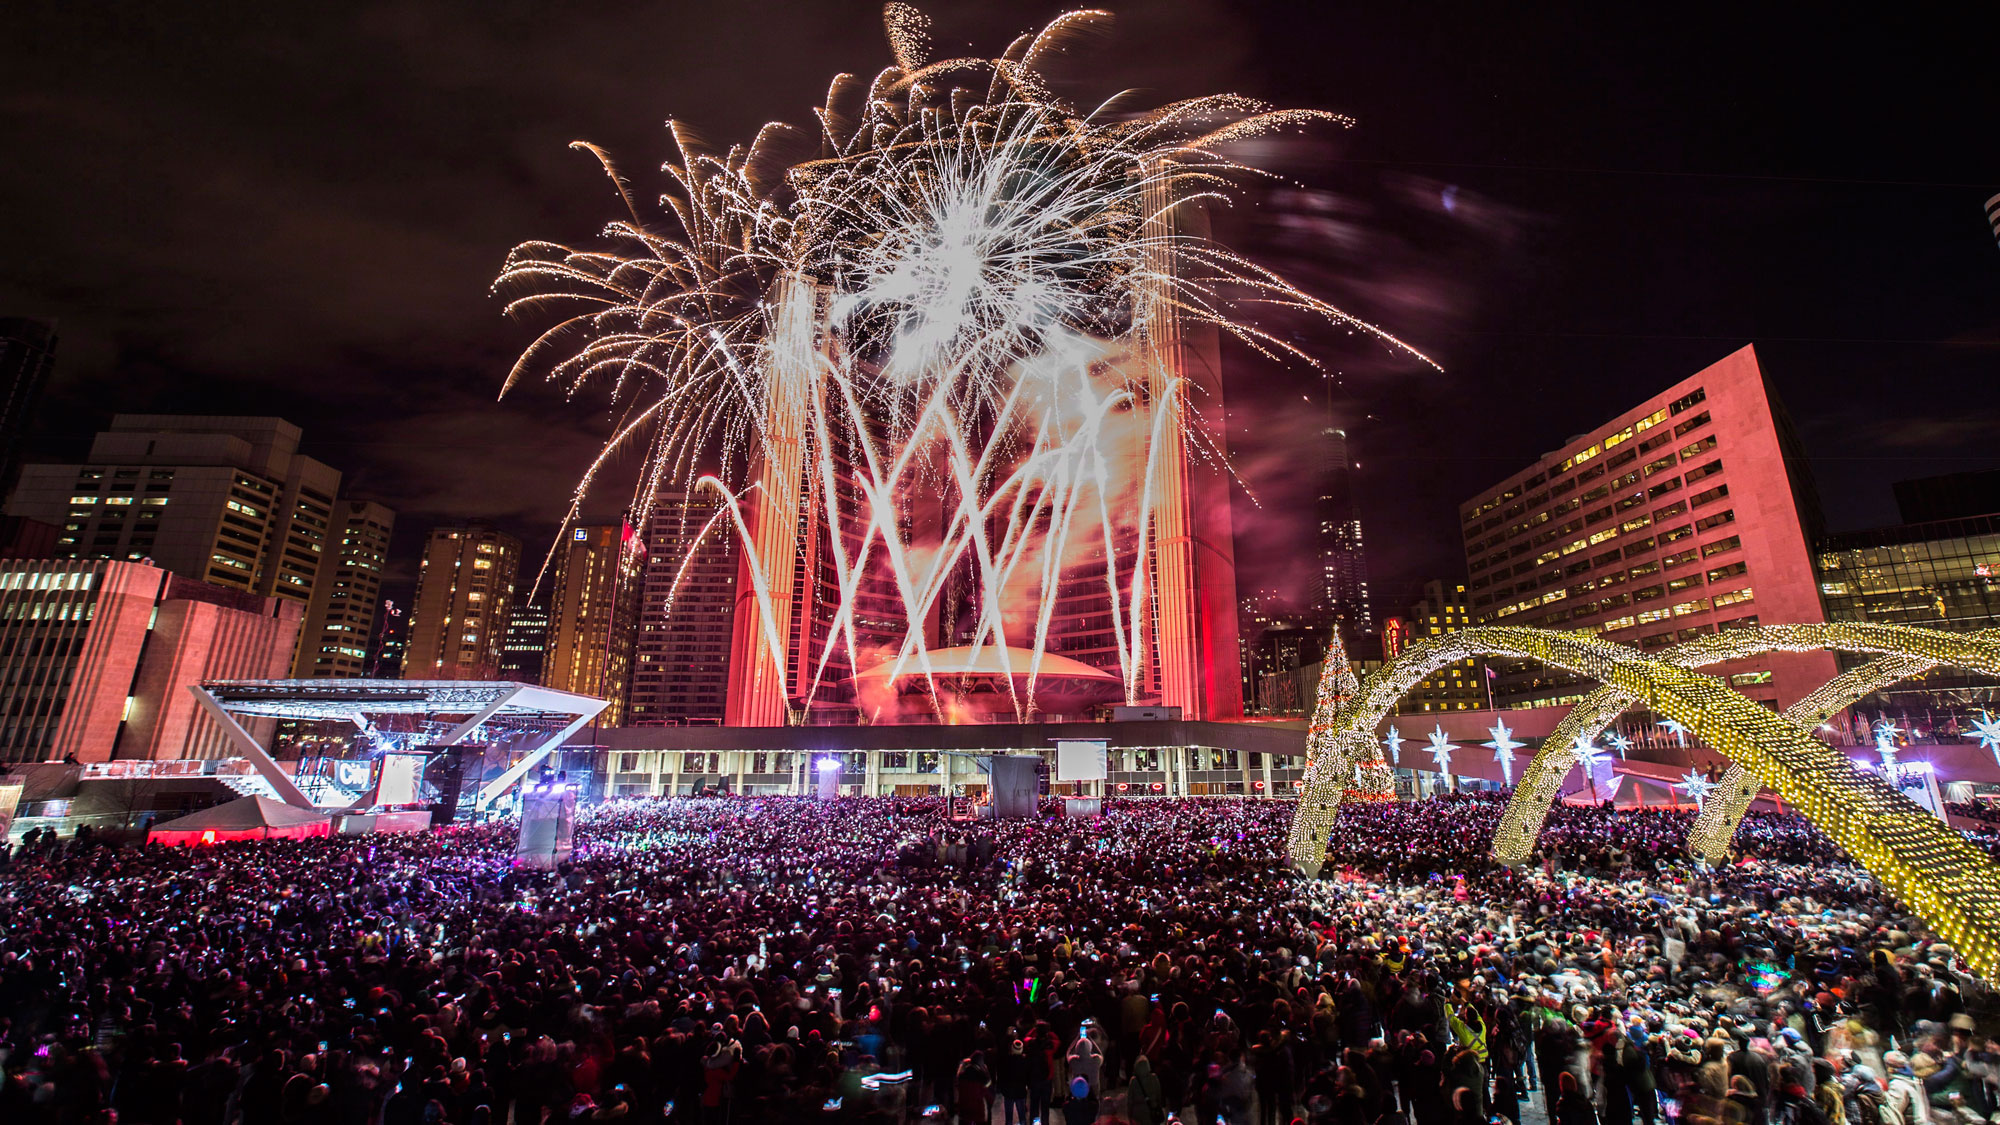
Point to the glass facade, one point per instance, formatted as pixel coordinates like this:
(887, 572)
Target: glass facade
(1943, 575)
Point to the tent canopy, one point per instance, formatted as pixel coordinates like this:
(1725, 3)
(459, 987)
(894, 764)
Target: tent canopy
(246, 818)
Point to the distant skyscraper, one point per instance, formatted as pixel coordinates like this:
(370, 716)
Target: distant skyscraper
(386, 663)
(340, 621)
(593, 603)
(1343, 594)
(27, 356)
(1443, 609)
(465, 598)
(222, 499)
(527, 643)
(680, 673)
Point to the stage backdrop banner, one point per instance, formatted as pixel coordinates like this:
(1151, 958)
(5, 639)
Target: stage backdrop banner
(1080, 761)
(1015, 785)
(548, 827)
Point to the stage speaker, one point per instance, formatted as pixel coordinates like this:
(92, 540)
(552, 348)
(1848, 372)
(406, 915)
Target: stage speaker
(446, 774)
(1015, 784)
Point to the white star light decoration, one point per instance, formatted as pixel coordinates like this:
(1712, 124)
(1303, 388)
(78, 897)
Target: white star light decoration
(1441, 749)
(1885, 744)
(1620, 743)
(1987, 730)
(1695, 786)
(1503, 745)
(1394, 741)
(1676, 728)
(1586, 755)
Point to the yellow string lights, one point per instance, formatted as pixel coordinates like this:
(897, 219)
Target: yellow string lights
(1952, 885)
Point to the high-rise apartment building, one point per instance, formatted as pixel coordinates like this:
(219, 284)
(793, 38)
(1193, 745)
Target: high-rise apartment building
(465, 598)
(593, 605)
(527, 643)
(1443, 609)
(1689, 513)
(27, 357)
(1343, 592)
(680, 663)
(96, 658)
(221, 499)
(340, 621)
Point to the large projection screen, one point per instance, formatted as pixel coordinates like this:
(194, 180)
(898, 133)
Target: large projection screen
(1080, 761)
(399, 779)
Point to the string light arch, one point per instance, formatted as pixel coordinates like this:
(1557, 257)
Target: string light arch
(1952, 885)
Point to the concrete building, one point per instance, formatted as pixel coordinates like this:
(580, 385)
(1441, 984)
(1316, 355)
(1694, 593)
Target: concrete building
(219, 499)
(593, 605)
(27, 358)
(96, 658)
(465, 598)
(526, 645)
(1690, 512)
(340, 621)
(680, 663)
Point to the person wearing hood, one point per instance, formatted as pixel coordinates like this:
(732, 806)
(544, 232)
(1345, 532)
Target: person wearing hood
(1086, 1061)
(1572, 1104)
(1145, 1101)
(1793, 1104)
(1011, 1082)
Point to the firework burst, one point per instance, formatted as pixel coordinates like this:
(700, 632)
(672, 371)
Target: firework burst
(937, 297)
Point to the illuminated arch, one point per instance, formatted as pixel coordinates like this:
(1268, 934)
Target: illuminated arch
(1954, 886)
(1541, 779)
(1720, 815)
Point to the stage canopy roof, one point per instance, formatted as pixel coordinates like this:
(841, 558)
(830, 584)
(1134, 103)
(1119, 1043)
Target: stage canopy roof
(355, 700)
(452, 709)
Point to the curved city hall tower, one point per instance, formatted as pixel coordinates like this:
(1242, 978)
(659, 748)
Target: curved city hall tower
(1187, 653)
(1193, 537)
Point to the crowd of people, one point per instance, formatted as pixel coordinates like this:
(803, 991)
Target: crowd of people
(756, 960)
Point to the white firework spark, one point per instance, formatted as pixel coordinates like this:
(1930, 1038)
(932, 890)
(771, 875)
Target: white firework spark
(940, 295)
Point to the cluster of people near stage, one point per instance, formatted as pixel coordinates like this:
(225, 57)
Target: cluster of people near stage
(780, 960)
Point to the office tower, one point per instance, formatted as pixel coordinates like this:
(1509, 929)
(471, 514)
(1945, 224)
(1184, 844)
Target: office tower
(1688, 513)
(526, 645)
(1937, 574)
(1343, 593)
(340, 620)
(27, 357)
(465, 598)
(97, 658)
(1443, 609)
(221, 499)
(680, 665)
(593, 604)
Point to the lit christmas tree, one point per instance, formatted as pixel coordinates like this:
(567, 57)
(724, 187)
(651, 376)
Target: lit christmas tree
(1338, 687)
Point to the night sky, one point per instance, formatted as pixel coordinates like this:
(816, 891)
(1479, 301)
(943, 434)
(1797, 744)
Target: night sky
(296, 209)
